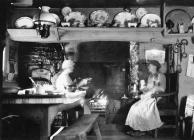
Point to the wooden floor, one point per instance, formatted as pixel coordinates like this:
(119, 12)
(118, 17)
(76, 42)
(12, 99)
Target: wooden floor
(116, 132)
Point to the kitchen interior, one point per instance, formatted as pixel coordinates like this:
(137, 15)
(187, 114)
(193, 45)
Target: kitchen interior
(109, 41)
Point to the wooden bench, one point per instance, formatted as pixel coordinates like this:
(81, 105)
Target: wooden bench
(79, 130)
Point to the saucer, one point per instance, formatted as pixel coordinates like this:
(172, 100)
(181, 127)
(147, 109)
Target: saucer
(24, 22)
(150, 20)
(122, 18)
(75, 17)
(99, 17)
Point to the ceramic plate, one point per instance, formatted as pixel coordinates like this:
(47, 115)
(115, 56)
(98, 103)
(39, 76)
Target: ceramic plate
(24, 22)
(123, 17)
(140, 12)
(99, 17)
(65, 11)
(75, 17)
(178, 16)
(150, 20)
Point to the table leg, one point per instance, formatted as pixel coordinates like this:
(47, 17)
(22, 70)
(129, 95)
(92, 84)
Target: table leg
(97, 131)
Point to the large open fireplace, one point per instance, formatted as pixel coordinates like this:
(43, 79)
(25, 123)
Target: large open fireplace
(108, 63)
(105, 62)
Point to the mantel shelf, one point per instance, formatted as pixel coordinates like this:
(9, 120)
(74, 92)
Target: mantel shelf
(66, 34)
(31, 35)
(180, 35)
(109, 34)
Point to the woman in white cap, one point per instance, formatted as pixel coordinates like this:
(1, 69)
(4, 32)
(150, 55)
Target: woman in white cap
(144, 115)
(63, 84)
(63, 80)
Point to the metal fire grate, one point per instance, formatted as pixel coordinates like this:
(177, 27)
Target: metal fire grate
(97, 107)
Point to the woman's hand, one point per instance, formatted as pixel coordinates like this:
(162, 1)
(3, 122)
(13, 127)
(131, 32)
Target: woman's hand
(155, 95)
(84, 82)
(145, 89)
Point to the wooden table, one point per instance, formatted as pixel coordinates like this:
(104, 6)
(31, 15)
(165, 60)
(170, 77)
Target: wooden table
(40, 108)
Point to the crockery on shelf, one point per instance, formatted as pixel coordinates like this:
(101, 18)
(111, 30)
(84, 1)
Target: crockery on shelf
(151, 20)
(24, 22)
(125, 19)
(99, 17)
(66, 10)
(179, 17)
(75, 19)
(140, 12)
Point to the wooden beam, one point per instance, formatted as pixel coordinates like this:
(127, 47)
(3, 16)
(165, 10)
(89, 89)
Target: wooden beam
(32, 35)
(61, 34)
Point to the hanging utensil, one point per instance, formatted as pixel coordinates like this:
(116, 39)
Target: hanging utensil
(172, 64)
(178, 66)
(184, 42)
(180, 52)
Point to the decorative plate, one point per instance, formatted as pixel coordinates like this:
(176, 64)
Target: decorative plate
(24, 22)
(65, 11)
(140, 12)
(150, 20)
(75, 17)
(99, 17)
(179, 16)
(123, 17)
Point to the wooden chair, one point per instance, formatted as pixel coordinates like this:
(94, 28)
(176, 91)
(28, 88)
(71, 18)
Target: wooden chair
(187, 116)
(168, 105)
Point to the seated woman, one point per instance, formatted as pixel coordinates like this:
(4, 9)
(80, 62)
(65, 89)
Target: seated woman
(144, 115)
(65, 85)
(62, 79)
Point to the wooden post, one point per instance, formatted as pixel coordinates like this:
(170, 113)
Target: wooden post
(97, 131)
(3, 11)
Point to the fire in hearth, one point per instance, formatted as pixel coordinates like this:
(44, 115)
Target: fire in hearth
(99, 101)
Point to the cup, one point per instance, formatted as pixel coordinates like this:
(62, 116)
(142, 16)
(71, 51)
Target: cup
(27, 92)
(40, 89)
(181, 28)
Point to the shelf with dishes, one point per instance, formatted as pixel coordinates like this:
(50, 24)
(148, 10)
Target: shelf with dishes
(93, 24)
(88, 25)
(89, 17)
(136, 24)
(179, 21)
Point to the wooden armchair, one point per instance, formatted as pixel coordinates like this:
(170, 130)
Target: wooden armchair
(168, 105)
(186, 112)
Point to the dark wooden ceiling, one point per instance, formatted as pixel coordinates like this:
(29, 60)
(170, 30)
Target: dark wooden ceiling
(103, 3)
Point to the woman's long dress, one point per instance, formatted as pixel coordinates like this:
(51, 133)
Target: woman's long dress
(144, 114)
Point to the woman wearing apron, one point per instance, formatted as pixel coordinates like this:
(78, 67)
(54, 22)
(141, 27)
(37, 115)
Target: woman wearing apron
(144, 115)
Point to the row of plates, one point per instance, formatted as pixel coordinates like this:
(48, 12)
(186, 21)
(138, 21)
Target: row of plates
(97, 18)
(100, 17)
